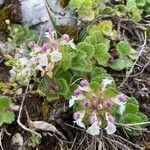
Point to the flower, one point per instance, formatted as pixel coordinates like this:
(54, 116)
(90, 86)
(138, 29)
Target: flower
(84, 86)
(104, 83)
(78, 116)
(77, 96)
(93, 119)
(122, 97)
(111, 128)
(94, 129)
(56, 56)
(65, 39)
(85, 103)
(45, 47)
(50, 34)
(23, 61)
(109, 104)
(120, 100)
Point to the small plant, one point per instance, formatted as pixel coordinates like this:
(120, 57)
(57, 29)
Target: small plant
(6, 116)
(34, 141)
(96, 110)
(97, 45)
(86, 9)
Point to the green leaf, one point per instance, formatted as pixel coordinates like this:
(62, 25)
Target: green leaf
(6, 117)
(91, 39)
(67, 56)
(86, 14)
(79, 63)
(132, 100)
(9, 117)
(49, 88)
(74, 4)
(140, 2)
(87, 48)
(98, 71)
(63, 86)
(131, 108)
(101, 54)
(106, 27)
(123, 48)
(111, 91)
(4, 102)
(133, 54)
(121, 63)
(95, 86)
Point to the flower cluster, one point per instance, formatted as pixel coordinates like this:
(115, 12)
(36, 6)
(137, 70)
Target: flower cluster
(39, 58)
(95, 111)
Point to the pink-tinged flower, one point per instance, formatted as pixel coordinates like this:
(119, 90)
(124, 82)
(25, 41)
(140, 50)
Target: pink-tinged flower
(111, 128)
(93, 119)
(45, 47)
(31, 45)
(78, 116)
(111, 119)
(109, 104)
(37, 60)
(65, 38)
(86, 103)
(122, 97)
(84, 83)
(50, 34)
(77, 96)
(54, 45)
(84, 86)
(78, 93)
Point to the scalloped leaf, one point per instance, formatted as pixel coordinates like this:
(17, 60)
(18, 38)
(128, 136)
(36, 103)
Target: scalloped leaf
(87, 48)
(49, 88)
(6, 117)
(101, 54)
(4, 102)
(123, 48)
(63, 86)
(131, 108)
(121, 63)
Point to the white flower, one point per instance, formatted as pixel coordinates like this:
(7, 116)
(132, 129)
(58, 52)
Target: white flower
(72, 45)
(106, 82)
(94, 129)
(23, 61)
(42, 62)
(111, 128)
(122, 105)
(56, 56)
(78, 116)
(72, 100)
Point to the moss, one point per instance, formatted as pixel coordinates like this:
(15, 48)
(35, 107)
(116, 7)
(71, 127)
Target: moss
(45, 110)
(10, 10)
(71, 31)
(64, 3)
(4, 14)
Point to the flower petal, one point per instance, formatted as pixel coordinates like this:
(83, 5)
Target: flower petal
(111, 128)
(56, 56)
(94, 129)
(122, 108)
